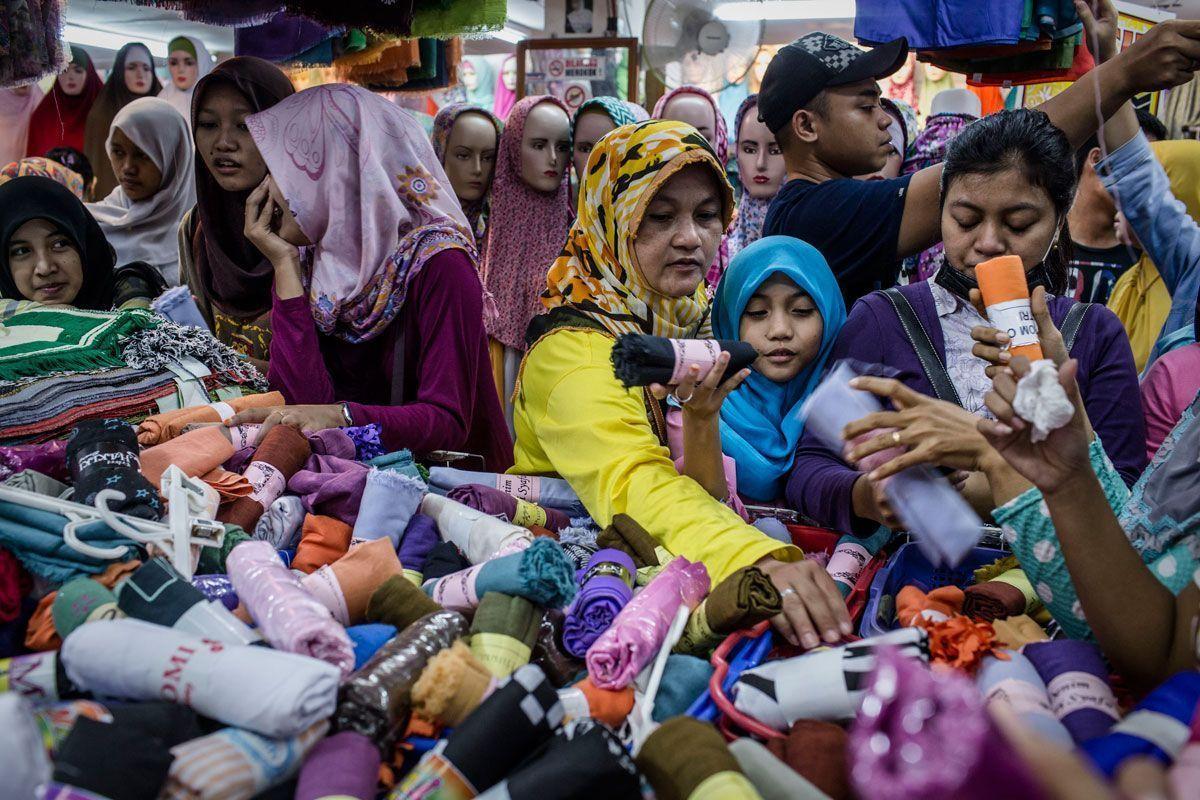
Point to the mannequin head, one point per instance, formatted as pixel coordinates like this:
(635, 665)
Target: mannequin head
(184, 67)
(590, 128)
(471, 155)
(139, 71)
(72, 80)
(760, 161)
(933, 73)
(545, 147)
(905, 73)
(508, 73)
(468, 75)
(693, 109)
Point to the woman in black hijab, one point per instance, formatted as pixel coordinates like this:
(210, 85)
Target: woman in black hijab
(52, 251)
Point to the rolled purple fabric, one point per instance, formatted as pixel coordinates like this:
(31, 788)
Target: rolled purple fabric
(928, 736)
(288, 617)
(217, 587)
(604, 589)
(1077, 681)
(495, 503)
(419, 538)
(632, 641)
(332, 442)
(344, 765)
(331, 486)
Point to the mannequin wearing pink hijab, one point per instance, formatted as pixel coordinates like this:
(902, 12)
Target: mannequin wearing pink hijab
(505, 95)
(693, 105)
(527, 228)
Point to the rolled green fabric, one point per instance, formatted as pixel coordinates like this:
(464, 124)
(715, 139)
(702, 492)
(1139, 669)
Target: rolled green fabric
(626, 535)
(397, 602)
(742, 600)
(686, 758)
(81, 601)
(504, 631)
(212, 559)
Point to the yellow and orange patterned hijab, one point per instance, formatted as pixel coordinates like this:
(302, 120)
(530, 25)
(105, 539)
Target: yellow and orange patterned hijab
(597, 273)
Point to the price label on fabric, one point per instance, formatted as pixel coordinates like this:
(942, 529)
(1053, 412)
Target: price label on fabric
(436, 778)
(1074, 691)
(501, 654)
(33, 676)
(1015, 318)
(847, 562)
(528, 514)
(522, 487)
(1022, 697)
(266, 481)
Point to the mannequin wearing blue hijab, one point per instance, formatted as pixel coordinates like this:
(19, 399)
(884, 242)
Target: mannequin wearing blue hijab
(760, 423)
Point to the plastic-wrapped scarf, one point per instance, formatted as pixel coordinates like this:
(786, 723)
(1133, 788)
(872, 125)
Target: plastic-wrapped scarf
(148, 230)
(525, 233)
(760, 424)
(720, 143)
(60, 118)
(46, 169)
(751, 211)
(590, 277)
(361, 178)
(182, 99)
(477, 211)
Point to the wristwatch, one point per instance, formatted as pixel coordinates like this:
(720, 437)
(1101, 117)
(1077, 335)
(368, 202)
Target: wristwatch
(346, 415)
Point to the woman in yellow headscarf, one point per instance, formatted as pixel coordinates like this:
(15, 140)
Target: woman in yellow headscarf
(652, 209)
(1157, 296)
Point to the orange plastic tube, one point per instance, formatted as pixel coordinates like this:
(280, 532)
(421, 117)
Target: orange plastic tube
(1006, 295)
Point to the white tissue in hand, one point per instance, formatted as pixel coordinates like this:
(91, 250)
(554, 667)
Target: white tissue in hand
(1041, 401)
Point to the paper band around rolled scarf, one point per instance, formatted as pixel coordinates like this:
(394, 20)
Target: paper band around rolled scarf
(1157, 727)
(1076, 679)
(604, 589)
(546, 492)
(499, 504)
(1015, 683)
(640, 360)
(632, 641)
(503, 632)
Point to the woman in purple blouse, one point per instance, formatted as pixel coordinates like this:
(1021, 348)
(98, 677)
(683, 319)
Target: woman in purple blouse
(1007, 187)
(377, 308)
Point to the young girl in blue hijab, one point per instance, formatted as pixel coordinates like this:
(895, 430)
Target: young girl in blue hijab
(780, 296)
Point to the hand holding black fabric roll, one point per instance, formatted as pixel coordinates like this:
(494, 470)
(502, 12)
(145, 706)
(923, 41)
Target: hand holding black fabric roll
(640, 360)
(375, 701)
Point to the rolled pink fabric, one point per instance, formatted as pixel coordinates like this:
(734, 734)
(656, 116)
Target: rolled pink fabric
(288, 617)
(615, 659)
(927, 735)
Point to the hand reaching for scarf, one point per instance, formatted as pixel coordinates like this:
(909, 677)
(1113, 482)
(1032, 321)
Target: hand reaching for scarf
(992, 345)
(306, 419)
(813, 609)
(702, 399)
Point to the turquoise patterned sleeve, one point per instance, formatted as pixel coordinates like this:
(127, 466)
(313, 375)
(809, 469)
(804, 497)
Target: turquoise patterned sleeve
(1028, 529)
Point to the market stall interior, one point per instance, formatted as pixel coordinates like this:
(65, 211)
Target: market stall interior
(678, 399)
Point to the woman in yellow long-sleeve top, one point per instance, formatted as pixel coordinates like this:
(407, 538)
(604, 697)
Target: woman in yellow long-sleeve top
(652, 210)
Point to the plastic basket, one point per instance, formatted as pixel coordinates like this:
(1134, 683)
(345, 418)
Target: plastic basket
(910, 567)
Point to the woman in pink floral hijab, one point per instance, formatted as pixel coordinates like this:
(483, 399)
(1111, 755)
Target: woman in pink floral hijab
(375, 278)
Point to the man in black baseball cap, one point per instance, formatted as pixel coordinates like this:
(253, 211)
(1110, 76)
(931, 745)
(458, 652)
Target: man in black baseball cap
(820, 98)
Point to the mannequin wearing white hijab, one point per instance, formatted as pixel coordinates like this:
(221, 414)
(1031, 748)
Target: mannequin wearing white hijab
(181, 99)
(147, 230)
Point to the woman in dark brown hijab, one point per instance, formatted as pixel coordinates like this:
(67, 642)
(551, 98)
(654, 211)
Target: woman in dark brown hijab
(230, 278)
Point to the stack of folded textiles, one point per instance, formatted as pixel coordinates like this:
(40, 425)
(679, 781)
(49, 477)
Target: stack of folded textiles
(366, 636)
(1015, 42)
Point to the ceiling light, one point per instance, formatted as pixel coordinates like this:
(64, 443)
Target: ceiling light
(786, 10)
(110, 40)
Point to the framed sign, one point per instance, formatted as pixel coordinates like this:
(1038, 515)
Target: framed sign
(576, 70)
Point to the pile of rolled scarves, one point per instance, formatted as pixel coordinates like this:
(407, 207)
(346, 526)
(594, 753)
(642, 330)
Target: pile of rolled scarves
(369, 628)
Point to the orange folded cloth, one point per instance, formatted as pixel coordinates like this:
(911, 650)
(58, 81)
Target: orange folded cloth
(323, 540)
(608, 706)
(961, 642)
(161, 427)
(228, 485)
(941, 603)
(41, 634)
(196, 452)
(346, 585)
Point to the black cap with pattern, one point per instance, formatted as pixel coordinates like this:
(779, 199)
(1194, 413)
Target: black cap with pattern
(815, 62)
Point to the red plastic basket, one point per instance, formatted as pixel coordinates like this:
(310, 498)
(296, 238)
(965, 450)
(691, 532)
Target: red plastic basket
(730, 716)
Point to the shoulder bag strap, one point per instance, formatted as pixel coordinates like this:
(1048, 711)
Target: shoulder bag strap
(1073, 322)
(930, 360)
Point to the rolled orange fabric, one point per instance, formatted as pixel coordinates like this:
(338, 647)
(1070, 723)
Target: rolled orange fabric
(942, 603)
(608, 706)
(161, 427)
(323, 540)
(228, 485)
(196, 452)
(1006, 294)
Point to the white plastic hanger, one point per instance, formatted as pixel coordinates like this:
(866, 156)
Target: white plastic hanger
(640, 722)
